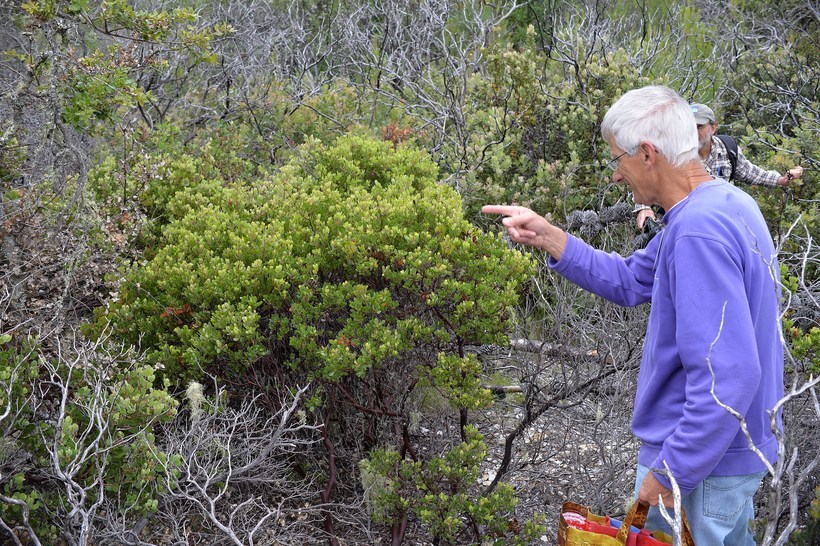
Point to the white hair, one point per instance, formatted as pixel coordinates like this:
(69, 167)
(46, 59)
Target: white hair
(654, 114)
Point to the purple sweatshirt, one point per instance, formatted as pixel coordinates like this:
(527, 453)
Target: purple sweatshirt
(713, 280)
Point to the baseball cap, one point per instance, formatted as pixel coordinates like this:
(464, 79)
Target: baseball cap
(703, 114)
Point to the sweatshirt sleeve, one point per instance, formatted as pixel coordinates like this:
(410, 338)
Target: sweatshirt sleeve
(624, 281)
(715, 335)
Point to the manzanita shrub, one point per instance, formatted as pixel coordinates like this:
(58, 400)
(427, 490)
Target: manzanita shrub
(350, 257)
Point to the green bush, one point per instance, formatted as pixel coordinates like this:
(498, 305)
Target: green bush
(543, 150)
(95, 69)
(349, 258)
(97, 437)
(441, 494)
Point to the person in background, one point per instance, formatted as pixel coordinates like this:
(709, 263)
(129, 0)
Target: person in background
(713, 335)
(715, 156)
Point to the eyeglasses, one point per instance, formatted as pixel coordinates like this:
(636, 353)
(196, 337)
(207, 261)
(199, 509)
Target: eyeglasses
(614, 163)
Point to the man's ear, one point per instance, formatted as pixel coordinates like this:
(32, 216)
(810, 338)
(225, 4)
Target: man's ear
(648, 152)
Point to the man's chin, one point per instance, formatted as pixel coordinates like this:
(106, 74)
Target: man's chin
(642, 199)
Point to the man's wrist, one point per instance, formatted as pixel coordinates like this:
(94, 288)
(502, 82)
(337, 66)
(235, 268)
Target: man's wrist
(555, 242)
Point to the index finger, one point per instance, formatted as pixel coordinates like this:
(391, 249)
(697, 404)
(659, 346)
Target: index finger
(506, 210)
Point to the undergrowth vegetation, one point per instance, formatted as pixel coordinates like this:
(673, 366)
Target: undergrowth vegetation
(248, 296)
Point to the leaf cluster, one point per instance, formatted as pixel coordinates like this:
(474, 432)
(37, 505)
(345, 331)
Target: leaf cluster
(97, 78)
(97, 445)
(442, 495)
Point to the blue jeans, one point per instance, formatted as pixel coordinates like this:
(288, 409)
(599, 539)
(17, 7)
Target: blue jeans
(718, 510)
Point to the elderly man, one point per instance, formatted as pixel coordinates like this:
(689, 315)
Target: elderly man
(712, 340)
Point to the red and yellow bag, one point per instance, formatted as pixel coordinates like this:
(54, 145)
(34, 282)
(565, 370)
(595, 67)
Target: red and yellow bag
(588, 529)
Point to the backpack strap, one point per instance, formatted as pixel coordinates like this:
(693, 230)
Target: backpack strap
(731, 149)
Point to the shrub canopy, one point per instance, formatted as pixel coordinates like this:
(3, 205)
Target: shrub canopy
(350, 257)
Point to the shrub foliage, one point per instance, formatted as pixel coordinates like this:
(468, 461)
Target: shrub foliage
(349, 258)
